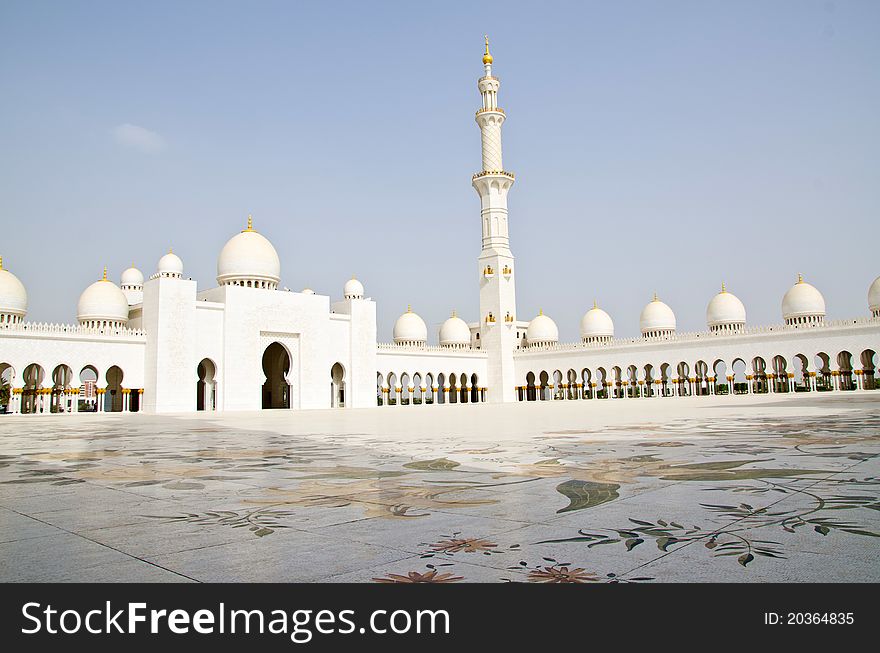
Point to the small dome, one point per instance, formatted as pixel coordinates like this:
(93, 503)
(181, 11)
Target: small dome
(874, 297)
(803, 303)
(353, 289)
(596, 323)
(13, 296)
(249, 258)
(542, 331)
(454, 332)
(725, 309)
(307, 291)
(656, 319)
(170, 265)
(132, 277)
(410, 329)
(103, 301)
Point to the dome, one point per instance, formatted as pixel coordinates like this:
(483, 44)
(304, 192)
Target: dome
(725, 312)
(132, 277)
(596, 323)
(410, 329)
(874, 298)
(542, 331)
(170, 265)
(353, 289)
(657, 319)
(803, 304)
(13, 296)
(454, 332)
(307, 291)
(249, 259)
(101, 302)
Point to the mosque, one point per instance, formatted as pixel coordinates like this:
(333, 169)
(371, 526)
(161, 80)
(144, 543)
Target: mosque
(162, 345)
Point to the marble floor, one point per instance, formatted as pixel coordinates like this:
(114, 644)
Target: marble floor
(743, 489)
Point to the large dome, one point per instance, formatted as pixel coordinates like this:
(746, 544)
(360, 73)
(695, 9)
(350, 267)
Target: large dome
(353, 289)
(454, 332)
(13, 297)
(170, 265)
(102, 302)
(410, 329)
(596, 324)
(132, 278)
(725, 312)
(874, 298)
(803, 304)
(249, 259)
(657, 319)
(542, 330)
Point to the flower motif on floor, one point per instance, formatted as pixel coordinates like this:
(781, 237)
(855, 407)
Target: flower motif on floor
(430, 576)
(561, 574)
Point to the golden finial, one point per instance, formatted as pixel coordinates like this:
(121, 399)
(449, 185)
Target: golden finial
(800, 278)
(595, 304)
(540, 311)
(353, 278)
(723, 289)
(453, 313)
(487, 58)
(170, 249)
(250, 226)
(104, 278)
(1, 262)
(655, 297)
(409, 308)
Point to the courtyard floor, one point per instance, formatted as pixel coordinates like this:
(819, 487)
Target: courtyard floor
(745, 489)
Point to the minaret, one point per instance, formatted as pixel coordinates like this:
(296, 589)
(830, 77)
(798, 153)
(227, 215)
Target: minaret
(496, 269)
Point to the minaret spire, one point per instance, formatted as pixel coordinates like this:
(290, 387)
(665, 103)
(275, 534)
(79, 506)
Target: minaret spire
(497, 291)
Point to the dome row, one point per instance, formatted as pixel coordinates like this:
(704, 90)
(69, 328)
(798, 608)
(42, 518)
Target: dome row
(803, 304)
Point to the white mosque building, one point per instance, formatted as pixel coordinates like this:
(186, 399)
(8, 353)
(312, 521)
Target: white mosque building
(162, 345)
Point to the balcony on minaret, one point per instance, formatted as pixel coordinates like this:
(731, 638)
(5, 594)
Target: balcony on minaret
(507, 271)
(488, 272)
(490, 318)
(508, 319)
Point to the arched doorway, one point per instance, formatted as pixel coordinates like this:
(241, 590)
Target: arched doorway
(62, 377)
(88, 379)
(7, 377)
(32, 395)
(113, 391)
(276, 366)
(206, 386)
(337, 386)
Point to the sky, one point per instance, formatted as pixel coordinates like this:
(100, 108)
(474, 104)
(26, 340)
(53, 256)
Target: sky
(658, 147)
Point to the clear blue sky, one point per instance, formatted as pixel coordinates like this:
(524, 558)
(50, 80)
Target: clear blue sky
(657, 145)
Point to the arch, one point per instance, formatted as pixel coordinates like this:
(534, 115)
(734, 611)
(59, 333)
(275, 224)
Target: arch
(32, 392)
(380, 399)
(430, 388)
(113, 390)
(649, 380)
(665, 379)
(62, 379)
(739, 371)
(824, 379)
(557, 390)
(276, 366)
(587, 381)
(845, 370)
(531, 390)
(868, 359)
(463, 389)
(602, 384)
(441, 389)
(337, 386)
(475, 389)
(800, 366)
(7, 383)
(759, 372)
(88, 378)
(452, 380)
(206, 385)
(684, 386)
(544, 380)
(721, 384)
(617, 381)
(405, 385)
(701, 378)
